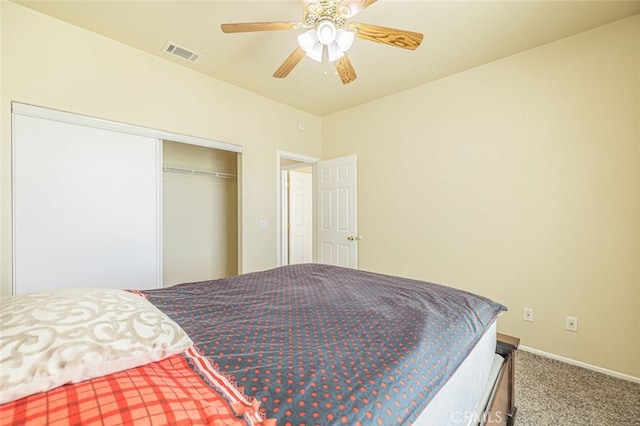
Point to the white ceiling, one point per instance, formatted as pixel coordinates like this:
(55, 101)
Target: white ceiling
(458, 35)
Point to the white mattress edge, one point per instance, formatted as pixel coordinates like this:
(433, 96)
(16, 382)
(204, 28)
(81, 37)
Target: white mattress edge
(459, 399)
(493, 376)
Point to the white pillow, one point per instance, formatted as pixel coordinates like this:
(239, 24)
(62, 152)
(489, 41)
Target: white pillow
(51, 338)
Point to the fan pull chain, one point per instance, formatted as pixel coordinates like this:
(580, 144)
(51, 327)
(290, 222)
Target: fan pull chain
(325, 62)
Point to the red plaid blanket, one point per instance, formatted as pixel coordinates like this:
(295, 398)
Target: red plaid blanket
(167, 392)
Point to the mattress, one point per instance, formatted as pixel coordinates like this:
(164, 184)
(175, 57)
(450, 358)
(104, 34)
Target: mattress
(303, 344)
(459, 402)
(323, 344)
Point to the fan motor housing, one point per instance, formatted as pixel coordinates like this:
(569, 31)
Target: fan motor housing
(315, 13)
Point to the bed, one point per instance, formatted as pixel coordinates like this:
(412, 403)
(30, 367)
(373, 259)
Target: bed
(301, 344)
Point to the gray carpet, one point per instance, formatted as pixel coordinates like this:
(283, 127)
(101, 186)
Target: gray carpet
(550, 392)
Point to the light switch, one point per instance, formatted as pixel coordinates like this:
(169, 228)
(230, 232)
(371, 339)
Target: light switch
(264, 223)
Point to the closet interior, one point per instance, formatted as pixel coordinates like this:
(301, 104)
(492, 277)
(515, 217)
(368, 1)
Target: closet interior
(199, 213)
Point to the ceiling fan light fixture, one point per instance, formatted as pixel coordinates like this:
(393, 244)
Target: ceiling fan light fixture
(344, 39)
(315, 52)
(334, 52)
(326, 32)
(307, 40)
(314, 47)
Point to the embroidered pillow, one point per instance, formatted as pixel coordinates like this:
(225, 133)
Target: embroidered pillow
(51, 338)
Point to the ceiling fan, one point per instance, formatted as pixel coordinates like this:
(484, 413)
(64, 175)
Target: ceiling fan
(329, 35)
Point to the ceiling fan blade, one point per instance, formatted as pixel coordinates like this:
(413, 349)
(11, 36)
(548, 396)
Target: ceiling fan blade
(289, 64)
(246, 27)
(345, 70)
(356, 6)
(391, 36)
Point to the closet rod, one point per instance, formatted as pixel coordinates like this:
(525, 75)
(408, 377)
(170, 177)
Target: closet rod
(173, 169)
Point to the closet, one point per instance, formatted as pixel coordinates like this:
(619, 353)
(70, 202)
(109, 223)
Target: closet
(199, 213)
(90, 209)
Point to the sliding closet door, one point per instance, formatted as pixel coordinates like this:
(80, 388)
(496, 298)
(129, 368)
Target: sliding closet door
(86, 207)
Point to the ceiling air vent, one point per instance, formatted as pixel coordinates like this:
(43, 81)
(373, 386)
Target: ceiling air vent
(181, 52)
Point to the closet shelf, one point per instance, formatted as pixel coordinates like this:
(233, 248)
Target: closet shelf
(195, 172)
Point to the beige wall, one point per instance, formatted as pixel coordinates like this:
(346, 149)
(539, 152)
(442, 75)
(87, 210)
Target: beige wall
(52, 64)
(518, 180)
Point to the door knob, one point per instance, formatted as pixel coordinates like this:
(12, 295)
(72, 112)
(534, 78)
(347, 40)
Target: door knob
(354, 237)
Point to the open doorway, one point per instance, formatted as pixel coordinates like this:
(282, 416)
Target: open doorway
(333, 212)
(297, 209)
(295, 212)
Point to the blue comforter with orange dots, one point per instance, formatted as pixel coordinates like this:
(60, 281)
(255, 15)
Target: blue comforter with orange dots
(320, 344)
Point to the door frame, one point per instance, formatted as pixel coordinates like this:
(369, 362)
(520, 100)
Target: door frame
(280, 188)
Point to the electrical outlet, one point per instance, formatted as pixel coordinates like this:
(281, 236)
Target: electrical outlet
(528, 314)
(571, 324)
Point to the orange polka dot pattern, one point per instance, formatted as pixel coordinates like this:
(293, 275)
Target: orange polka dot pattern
(319, 344)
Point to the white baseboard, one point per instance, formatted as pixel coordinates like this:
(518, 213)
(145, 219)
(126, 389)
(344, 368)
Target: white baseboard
(581, 364)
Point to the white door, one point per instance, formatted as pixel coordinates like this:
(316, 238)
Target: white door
(336, 213)
(300, 218)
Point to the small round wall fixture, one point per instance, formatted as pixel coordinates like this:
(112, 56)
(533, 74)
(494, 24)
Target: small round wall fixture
(301, 126)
